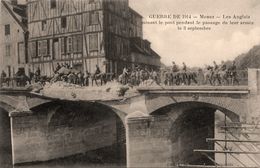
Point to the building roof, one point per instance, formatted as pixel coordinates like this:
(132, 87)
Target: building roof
(136, 13)
(18, 12)
(141, 46)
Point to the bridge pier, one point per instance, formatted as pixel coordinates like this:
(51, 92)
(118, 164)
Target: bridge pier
(254, 96)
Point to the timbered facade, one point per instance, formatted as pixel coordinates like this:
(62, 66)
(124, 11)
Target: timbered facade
(81, 33)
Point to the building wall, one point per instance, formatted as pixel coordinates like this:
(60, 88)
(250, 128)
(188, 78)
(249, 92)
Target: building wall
(16, 37)
(136, 25)
(102, 27)
(79, 43)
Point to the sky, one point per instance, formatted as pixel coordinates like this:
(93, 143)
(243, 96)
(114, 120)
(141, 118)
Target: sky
(199, 48)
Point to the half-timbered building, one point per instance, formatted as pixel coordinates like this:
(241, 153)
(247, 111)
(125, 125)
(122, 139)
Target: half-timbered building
(13, 35)
(83, 34)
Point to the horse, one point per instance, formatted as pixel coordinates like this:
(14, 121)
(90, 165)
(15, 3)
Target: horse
(216, 77)
(123, 78)
(185, 77)
(224, 75)
(100, 76)
(21, 80)
(208, 76)
(190, 76)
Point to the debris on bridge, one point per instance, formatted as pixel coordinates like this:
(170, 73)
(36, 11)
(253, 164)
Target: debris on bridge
(110, 91)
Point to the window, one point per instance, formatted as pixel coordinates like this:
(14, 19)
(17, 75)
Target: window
(64, 45)
(21, 53)
(33, 49)
(8, 50)
(80, 43)
(44, 25)
(69, 45)
(53, 4)
(93, 42)
(77, 43)
(94, 18)
(44, 48)
(39, 43)
(7, 29)
(63, 22)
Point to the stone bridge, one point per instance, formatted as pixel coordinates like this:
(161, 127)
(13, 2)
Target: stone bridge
(159, 127)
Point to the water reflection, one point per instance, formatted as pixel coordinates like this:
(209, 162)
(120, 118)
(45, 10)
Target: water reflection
(68, 163)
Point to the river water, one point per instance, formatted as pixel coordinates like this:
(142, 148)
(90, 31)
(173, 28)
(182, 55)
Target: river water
(70, 162)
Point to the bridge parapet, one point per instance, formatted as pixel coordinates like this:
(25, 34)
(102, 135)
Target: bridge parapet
(254, 81)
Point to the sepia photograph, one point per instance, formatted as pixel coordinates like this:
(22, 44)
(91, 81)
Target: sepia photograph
(130, 84)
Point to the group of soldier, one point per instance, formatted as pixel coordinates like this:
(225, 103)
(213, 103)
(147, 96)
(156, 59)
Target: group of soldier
(66, 73)
(214, 75)
(139, 75)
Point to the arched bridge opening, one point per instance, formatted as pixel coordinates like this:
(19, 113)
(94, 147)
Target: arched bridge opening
(83, 132)
(192, 123)
(173, 132)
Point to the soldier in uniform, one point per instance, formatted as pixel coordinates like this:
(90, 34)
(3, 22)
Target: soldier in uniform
(86, 78)
(184, 73)
(233, 73)
(3, 78)
(97, 72)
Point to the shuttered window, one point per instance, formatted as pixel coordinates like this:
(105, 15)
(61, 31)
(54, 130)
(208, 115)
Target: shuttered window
(39, 43)
(63, 22)
(77, 43)
(44, 48)
(69, 41)
(7, 29)
(33, 49)
(63, 45)
(94, 18)
(8, 50)
(93, 42)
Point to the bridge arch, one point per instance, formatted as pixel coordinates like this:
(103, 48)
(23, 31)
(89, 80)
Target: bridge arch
(6, 107)
(90, 130)
(186, 127)
(189, 105)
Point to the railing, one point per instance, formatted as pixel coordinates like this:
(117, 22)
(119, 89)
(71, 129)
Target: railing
(14, 82)
(164, 79)
(239, 77)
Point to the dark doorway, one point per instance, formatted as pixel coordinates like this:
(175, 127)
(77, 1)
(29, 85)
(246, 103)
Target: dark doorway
(5, 139)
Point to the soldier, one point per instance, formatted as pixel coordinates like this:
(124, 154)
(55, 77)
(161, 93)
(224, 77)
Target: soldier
(3, 77)
(215, 66)
(223, 66)
(38, 72)
(37, 75)
(86, 78)
(97, 72)
(233, 73)
(174, 67)
(184, 68)
(125, 76)
(216, 75)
